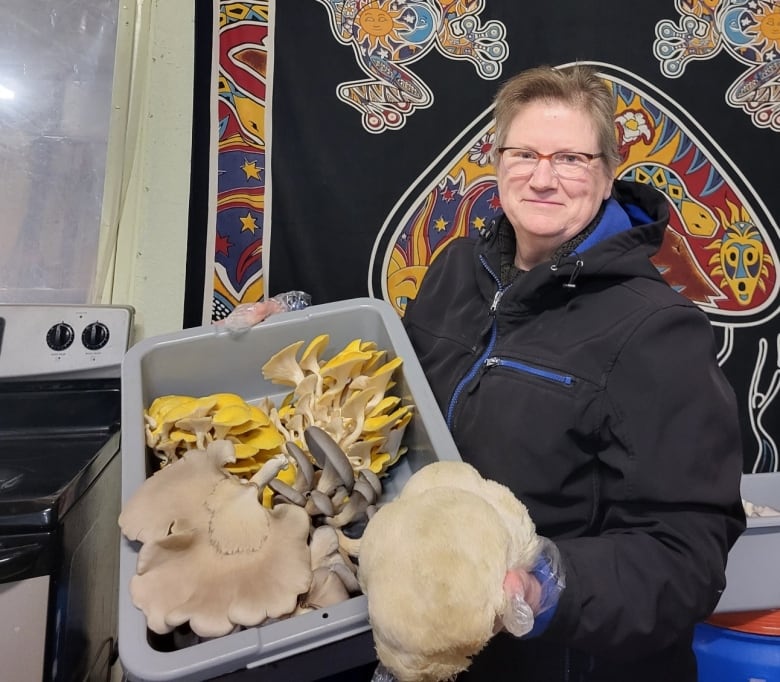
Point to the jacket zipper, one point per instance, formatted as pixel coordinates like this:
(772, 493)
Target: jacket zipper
(485, 361)
(530, 369)
(486, 353)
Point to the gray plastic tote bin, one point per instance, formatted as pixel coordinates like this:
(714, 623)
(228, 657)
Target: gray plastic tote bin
(202, 361)
(752, 578)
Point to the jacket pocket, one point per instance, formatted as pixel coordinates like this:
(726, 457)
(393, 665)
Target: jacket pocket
(514, 365)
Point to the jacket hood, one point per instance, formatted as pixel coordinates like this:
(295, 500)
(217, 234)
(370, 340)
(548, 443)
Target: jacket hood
(630, 231)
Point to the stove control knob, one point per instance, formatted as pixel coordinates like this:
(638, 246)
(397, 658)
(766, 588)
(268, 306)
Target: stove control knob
(60, 336)
(95, 336)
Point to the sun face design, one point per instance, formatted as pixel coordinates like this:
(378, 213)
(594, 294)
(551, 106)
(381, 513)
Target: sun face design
(769, 26)
(763, 27)
(379, 25)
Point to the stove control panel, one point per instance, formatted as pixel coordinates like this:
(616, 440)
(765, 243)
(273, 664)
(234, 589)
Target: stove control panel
(66, 340)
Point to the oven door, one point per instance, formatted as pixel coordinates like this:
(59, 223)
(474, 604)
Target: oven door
(25, 568)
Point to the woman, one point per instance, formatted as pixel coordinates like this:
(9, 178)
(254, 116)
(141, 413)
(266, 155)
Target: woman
(569, 370)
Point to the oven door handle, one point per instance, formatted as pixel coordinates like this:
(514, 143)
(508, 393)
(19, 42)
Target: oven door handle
(16, 560)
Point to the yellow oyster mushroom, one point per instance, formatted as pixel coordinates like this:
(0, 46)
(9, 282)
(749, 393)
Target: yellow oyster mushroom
(387, 404)
(184, 437)
(310, 360)
(258, 415)
(244, 450)
(242, 467)
(263, 438)
(163, 403)
(225, 399)
(229, 418)
(187, 408)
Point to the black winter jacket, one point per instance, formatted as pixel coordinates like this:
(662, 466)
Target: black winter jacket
(591, 389)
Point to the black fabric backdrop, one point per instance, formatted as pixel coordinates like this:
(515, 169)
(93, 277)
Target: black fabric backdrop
(333, 183)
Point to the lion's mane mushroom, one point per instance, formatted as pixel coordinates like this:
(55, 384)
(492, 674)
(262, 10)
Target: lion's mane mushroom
(432, 564)
(231, 562)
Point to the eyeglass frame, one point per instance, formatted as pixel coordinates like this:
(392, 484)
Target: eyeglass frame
(549, 157)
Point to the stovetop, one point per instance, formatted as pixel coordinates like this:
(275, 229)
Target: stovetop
(60, 406)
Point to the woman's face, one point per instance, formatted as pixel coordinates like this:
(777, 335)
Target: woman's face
(546, 210)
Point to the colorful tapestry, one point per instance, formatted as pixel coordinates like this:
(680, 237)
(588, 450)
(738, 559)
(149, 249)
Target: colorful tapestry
(354, 138)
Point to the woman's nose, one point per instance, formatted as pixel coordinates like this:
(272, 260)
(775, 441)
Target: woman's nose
(543, 175)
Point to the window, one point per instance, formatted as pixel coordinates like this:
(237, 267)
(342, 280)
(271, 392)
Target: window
(56, 68)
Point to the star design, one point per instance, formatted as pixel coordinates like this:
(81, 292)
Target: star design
(250, 169)
(440, 224)
(248, 222)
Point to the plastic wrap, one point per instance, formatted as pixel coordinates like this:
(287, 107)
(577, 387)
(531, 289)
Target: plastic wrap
(246, 315)
(532, 594)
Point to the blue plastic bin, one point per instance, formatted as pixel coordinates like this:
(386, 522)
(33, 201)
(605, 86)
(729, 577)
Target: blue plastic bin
(726, 655)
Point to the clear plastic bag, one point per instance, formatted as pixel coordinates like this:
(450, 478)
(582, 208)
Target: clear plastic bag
(382, 674)
(520, 616)
(246, 315)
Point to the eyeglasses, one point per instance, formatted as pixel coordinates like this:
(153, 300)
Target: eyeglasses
(522, 162)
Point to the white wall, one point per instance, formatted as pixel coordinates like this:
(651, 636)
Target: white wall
(150, 259)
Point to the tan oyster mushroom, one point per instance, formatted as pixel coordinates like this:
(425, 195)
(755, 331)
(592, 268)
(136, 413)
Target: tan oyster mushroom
(164, 502)
(200, 427)
(283, 368)
(245, 564)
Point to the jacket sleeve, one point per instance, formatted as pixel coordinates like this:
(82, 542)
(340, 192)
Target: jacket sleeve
(669, 499)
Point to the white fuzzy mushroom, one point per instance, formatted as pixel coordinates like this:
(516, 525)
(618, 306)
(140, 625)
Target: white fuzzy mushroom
(447, 515)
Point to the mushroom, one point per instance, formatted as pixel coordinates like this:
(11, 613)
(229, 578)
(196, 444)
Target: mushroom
(310, 360)
(319, 504)
(177, 408)
(304, 477)
(198, 426)
(446, 515)
(240, 564)
(354, 509)
(164, 502)
(336, 469)
(333, 579)
(348, 545)
(283, 368)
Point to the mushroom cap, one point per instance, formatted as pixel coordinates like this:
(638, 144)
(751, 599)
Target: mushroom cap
(283, 368)
(245, 565)
(170, 497)
(327, 453)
